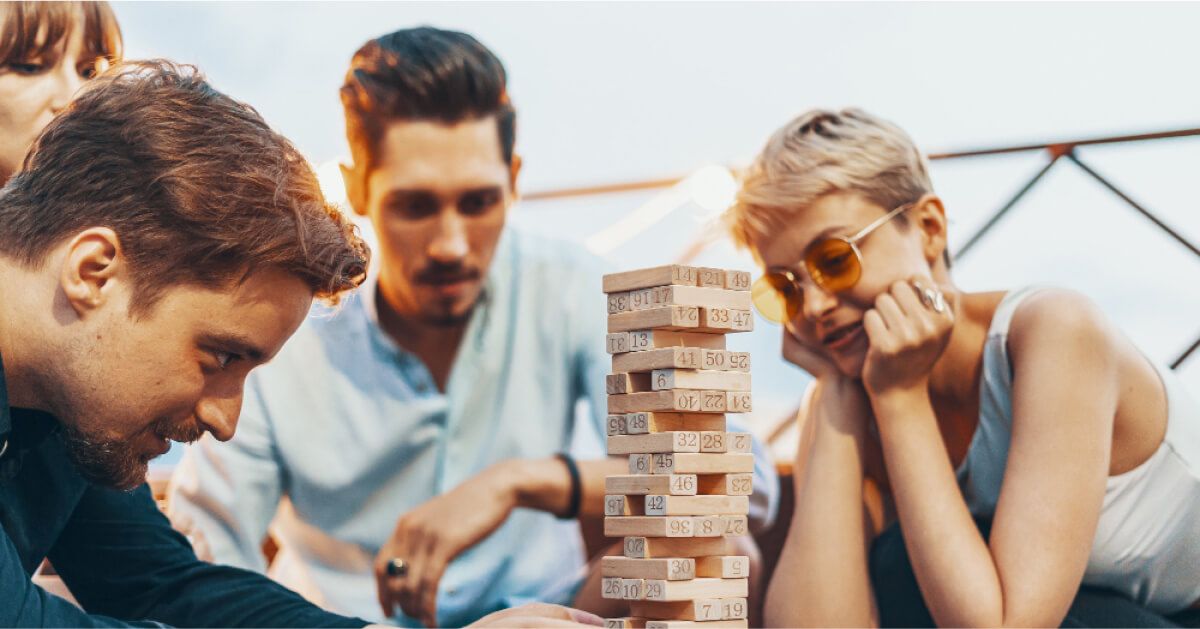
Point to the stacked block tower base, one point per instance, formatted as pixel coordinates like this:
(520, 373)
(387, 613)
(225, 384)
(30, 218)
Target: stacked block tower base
(690, 478)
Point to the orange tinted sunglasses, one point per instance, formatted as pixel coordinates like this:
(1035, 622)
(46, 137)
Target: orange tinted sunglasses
(834, 264)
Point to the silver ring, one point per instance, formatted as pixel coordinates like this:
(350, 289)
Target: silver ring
(397, 567)
(934, 299)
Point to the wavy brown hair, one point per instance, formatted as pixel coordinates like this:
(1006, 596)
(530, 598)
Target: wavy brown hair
(35, 30)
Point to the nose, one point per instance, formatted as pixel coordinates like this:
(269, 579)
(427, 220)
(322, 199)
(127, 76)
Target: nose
(219, 416)
(818, 302)
(65, 87)
(449, 244)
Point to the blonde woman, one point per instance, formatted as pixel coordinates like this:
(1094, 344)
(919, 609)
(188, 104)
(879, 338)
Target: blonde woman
(1030, 454)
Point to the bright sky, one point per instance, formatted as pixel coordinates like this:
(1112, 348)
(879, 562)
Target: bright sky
(611, 92)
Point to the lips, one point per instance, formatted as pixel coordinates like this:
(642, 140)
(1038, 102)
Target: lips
(841, 337)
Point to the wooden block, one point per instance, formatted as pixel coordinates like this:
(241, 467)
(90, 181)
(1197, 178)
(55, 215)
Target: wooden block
(737, 442)
(734, 609)
(666, 358)
(620, 506)
(696, 505)
(713, 441)
(669, 569)
(708, 276)
(668, 318)
(618, 342)
(641, 423)
(628, 622)
(675, 441)
(662, 379)
(674, 400)
(663, 590)
(726, 567)
(651, 547)
(709, 525)
(735, 524)
(646, 278)
(610, 587)
(633, 589)
(702, 463)
(662, 296)
(703, 609)
(696, 624)
(641, 464)
(738, 402)
(721, 484)
(642, 340)
(718, 320)
(617, 424)
(721, 360)
(648, 526)
(737, 280)
(619, 383)
(645, 484)
(618, 302)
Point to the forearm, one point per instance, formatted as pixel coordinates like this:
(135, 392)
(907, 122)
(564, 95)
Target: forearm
(950, 558)
(822, 577)
(545, 484)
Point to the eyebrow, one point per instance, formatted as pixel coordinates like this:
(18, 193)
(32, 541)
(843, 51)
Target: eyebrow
(824, 233)
(237, 343)
(399, 194)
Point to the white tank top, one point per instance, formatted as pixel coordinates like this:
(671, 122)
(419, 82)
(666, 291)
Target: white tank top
(1147, 543)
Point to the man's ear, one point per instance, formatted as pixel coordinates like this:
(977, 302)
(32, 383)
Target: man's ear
(92, 262)
(929, 216)
(514, 171)
(355, 187)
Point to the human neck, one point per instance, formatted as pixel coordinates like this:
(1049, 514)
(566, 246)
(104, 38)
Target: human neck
(955, 376)
(19, 333)
(435, 344)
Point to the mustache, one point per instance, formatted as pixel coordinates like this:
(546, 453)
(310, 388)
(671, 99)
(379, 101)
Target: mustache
(447, 273)
(184, 432)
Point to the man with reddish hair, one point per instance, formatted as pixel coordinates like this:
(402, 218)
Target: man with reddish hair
(159, 242)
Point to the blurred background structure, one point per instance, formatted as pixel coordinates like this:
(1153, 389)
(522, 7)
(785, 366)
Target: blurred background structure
(632, 115)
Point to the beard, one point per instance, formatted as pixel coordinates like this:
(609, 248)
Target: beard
(117, 463)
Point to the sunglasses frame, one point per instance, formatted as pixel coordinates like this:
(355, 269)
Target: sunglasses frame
(790, 274)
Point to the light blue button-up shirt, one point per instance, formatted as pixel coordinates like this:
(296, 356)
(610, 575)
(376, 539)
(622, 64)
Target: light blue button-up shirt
(345, 431)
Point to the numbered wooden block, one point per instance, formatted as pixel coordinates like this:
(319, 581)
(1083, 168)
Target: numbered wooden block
(713, 441)
(619, 383)
(617, 425)
(675, 441)
(617, 342)
(735, 524)
(662, 296)
(696, 505)
(721, 360)
(708, 526)
(737, 442)
(648, 526)
(668, 569)
(610, 588)
(667, 318)
(738, 402)
(674, 400)
(655, 547)
(641, 423)
(662, 379)
(663, 590)
(647, 278)
(643, 340)
(696, 624)
(737, 280)
(641, 464)
(645, 484)
(666, 358)
(702, 463)
(718, 320)
(727, 567)
(706, 276)
(633, 589)
(628, 622)
(702, 609)
(621, 506)
(618, 302)
(722, 484)
(734, 609)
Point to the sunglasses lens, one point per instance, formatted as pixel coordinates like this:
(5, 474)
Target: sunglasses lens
(834, 264)
(775, 297)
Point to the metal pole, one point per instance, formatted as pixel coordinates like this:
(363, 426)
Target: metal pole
(1185, 355)
(1007, 206)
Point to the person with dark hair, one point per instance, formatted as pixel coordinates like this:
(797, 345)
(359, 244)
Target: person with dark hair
(421, 441)
(47, 50)
(145, 269)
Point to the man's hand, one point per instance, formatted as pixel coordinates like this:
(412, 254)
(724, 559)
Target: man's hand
(429, 537)
(539, 615)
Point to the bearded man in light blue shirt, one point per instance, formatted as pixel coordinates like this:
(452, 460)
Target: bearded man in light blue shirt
(407, 449)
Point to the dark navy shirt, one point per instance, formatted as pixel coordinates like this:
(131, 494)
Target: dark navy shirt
(115, 551)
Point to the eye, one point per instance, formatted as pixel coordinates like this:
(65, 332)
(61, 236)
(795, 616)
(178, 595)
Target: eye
(224, 359)
(91, 70)
(27, 67)
(477, 203)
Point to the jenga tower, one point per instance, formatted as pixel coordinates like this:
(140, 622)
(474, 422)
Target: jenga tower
(689, 482)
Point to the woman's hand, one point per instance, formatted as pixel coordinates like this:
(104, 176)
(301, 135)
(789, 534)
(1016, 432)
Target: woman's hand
(908, 329)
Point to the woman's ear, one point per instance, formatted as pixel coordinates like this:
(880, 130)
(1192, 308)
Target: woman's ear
(929, 216)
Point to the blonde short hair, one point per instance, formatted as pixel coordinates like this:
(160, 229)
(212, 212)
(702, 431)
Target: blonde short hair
(823, 152)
